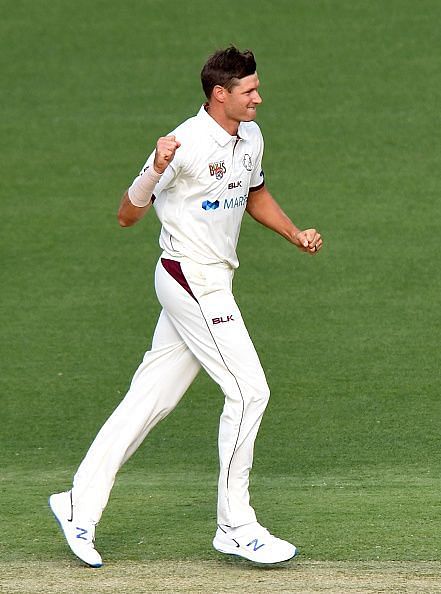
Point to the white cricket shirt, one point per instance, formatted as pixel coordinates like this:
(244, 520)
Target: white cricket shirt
(202, 195)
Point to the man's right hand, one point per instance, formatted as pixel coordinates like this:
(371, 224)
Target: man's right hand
(165, 151)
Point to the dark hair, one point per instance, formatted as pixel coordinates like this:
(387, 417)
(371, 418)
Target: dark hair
(225, 66)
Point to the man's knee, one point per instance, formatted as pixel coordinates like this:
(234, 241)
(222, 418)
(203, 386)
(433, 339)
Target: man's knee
(248, 394)
(262, 394)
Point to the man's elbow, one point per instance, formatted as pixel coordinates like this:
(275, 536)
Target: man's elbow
(129, 214)
(125, 212)
(124, 221)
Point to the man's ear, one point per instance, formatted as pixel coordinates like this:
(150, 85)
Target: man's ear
(218, 93)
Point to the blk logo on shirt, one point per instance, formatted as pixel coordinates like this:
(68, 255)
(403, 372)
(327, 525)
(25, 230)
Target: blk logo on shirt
(207, 205)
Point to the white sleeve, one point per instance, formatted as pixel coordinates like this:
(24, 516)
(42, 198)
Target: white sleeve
(257, 176)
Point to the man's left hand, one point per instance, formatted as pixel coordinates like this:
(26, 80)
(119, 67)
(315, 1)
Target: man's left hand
(309, 241)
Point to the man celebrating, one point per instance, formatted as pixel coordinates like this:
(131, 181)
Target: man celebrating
(201, 179)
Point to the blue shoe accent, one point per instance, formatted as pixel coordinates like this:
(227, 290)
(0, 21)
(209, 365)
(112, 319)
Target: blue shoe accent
(81, 533)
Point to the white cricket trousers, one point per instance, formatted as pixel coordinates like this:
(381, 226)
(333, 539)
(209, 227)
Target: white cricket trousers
(200, 325)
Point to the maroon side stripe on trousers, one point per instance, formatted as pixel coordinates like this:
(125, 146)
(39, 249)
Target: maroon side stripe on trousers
(174, 269)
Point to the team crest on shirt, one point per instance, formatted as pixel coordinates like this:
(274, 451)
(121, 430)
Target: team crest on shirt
(217, 169)
(247, 163)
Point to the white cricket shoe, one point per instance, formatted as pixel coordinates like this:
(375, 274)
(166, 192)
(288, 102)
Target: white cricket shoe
(78, 533)
(253, 542)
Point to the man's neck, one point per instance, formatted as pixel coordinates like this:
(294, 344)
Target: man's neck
(230, 126)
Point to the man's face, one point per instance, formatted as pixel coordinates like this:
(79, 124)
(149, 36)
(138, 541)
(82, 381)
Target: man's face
(241, 101)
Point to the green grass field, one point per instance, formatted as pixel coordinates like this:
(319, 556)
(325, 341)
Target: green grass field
(347, 461)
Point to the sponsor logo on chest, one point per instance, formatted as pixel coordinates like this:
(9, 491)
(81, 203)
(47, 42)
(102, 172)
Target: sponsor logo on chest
(207, 205)
(236, 202)
(228, 203)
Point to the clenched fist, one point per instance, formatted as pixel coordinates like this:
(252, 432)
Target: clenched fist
(166, 148)
(309, 241)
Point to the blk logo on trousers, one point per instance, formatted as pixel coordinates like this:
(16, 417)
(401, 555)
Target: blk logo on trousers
(223, 320)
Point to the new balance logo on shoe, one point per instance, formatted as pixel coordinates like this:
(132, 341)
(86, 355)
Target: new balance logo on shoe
(79, 539)
(256, 545)
(253, 542)
(82, 532)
